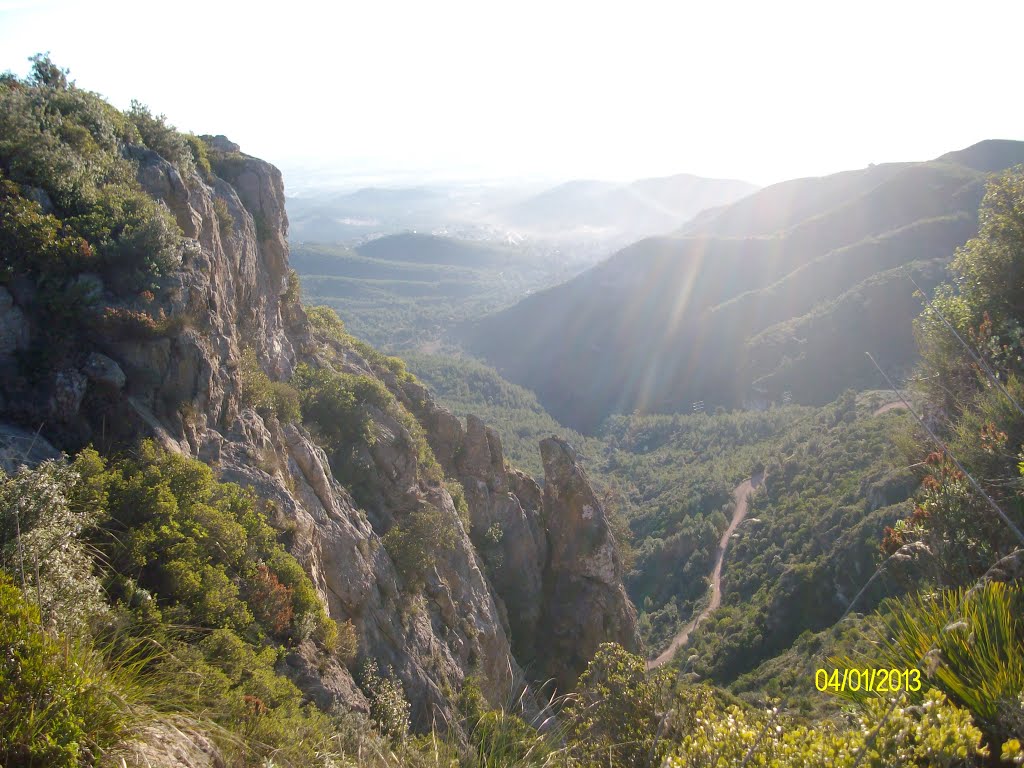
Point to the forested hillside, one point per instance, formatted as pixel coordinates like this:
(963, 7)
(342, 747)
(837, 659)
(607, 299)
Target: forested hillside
(406, 291)
(234, 535)
(706, 315)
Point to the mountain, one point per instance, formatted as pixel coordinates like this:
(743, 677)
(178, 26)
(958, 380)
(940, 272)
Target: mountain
(619, 211)
(782, 291)
(576, 210)
(326, 216)
(277, 512)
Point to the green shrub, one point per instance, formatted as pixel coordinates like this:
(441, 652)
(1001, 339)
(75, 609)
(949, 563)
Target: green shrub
(614, 716)
(936, 735)
(458, 494)
(68, 143)
(200, 156)
(57, 706)
(201, 546)
(968, 645)
(388, 707)
(44, 514)
(293, 289)
(347, 644)
(225, 221)
(416, 542)
(268, 397)
(162, 138)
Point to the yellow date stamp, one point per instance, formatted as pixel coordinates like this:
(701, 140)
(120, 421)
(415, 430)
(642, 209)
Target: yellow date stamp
(867, 680)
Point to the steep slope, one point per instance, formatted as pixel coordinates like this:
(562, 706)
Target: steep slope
(196, 354)
(669, 320)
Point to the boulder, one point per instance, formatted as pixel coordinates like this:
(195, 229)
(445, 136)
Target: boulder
(101, 370)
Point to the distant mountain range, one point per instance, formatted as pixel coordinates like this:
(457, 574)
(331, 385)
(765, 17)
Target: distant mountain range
(781, 291)
(577, 210)
(595, 208)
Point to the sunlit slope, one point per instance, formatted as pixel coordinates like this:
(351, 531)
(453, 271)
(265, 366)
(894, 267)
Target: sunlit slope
(671, 320)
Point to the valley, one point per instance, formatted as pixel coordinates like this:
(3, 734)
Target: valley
(501, 475)
(740, 498)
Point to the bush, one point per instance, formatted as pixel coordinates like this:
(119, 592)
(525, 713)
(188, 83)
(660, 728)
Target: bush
(57, 706)
(202, 546)
(416, 543)
(225, 221)
(44, 514)
(615, 715)
(973, 648)
(388, 707)
(162, 138)
(347, 645)
(268, 397)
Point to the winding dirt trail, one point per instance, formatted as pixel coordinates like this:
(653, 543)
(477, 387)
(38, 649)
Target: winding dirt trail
(740, 495)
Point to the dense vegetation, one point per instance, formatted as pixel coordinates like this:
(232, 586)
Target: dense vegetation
(405, 291)
(138, 592)
(810, 541)
(173, 596)
(671, 320)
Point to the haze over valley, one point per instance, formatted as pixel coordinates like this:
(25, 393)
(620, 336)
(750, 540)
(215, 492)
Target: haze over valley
(538, 385)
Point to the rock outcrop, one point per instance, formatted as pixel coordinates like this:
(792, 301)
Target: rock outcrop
(550, 555)
(585, 603)
(508, 590)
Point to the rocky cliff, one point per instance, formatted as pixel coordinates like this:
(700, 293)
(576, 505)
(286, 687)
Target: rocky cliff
(533, 582)
(549, 554)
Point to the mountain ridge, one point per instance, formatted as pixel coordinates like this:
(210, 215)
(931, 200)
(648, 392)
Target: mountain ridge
(670, 312)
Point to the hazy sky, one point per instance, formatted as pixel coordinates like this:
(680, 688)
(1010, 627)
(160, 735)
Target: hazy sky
(762, 90)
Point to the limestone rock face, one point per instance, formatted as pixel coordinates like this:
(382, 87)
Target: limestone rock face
(100, 369)
(585, 603)
(549, 555)
(19, 447)
(487, 603)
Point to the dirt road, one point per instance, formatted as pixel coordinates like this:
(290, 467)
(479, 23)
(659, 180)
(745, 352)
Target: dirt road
(740, 495)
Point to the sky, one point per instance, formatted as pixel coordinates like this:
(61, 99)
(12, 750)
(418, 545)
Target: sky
(475, 89)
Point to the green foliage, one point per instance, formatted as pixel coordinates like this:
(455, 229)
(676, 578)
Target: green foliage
(293, 290)
(334, 403)
(347, 644)
(225, 221)
(388, 707)
(342, 407)
(44, 514)
(936, 735)
(162, 138)
(31, 239)
(202, 546)
(500, 738)
(58, 707)
(268, 397)
(200, 155)
(326, 322)
(458, 494)
(70, 203)
(416, 542)
(811, 534)
(981, 427)
(615, 716)
(969, 645)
